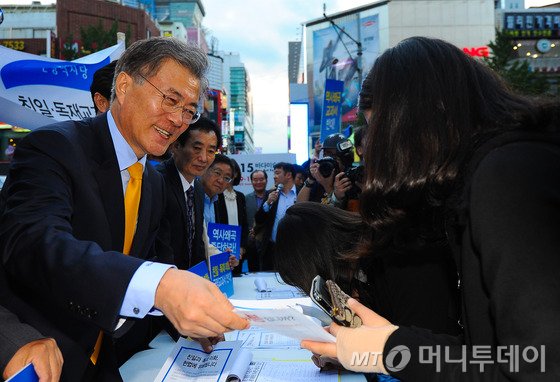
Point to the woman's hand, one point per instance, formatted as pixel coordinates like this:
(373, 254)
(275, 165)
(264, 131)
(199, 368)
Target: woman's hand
(352, 343)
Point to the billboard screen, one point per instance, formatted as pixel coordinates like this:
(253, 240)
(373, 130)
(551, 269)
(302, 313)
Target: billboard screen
(335, 57)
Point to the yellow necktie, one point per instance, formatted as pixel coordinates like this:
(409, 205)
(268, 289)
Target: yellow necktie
(131, 203)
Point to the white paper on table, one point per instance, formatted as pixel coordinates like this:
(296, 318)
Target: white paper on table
(288, 322)
(288, 370)
(279, 293)
(188, 362)
(258, 338)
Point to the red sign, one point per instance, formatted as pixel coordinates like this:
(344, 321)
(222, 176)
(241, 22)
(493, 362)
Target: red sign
(481, 51)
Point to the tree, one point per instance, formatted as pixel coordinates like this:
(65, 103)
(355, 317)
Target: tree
(517, 72)
(95, 38)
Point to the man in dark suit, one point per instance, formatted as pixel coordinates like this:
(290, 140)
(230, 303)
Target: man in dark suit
(64, 225)
(192, 153)
(254, 201)
(272, 211)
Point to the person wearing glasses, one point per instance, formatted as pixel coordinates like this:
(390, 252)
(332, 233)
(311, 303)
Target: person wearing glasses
(214, 181)
(236, 211)
(192, 153)
(80, 211)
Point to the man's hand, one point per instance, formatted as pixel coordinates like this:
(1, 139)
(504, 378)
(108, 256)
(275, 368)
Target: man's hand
(341, 185)
(208, 343)
(195, 306)
(272, 197)
(43, 354)
(327, 182)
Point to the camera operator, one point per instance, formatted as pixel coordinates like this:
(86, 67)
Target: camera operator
(328, 182)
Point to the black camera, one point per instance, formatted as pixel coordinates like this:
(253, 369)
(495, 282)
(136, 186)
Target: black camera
(327, 165)
(356, 175)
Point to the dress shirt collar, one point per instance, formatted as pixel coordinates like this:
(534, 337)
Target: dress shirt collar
(184, 182)
(293, 190)
(208, 200)
(125, 154)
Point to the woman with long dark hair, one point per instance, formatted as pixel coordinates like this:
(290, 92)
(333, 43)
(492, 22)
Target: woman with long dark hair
(451, 150)
(416, 287)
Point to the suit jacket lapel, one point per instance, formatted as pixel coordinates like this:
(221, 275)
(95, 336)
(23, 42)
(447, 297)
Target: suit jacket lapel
(177, 188)
(108, 178)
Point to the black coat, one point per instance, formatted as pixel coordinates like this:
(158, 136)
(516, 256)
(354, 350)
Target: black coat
(174, 227)
(62, 228)
(220, 209)
(509, 262)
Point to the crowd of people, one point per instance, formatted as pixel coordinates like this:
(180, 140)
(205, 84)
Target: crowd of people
(444, 232)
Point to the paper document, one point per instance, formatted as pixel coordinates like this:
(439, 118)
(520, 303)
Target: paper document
(287, 322)
(288, 370)
(279, 293)
(258, 338)
(187, 362)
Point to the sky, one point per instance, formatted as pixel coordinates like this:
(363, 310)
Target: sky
(259, 30)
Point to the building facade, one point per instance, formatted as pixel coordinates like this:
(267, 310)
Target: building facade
(535, 33)
(347, 52)
(30, 28)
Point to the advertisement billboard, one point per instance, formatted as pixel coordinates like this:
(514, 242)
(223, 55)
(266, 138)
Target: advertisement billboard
(335, 56)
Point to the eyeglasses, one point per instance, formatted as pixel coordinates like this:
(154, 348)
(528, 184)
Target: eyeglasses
(171, 105)
(219, 174)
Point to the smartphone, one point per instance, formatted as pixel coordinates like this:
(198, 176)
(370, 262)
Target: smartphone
(332, 300)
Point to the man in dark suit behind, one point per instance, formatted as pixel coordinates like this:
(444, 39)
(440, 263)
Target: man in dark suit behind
(272, 211)
(62, 224)
(192, 153)
(254, 201)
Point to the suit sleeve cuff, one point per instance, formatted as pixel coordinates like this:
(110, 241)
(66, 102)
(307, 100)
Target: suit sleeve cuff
(141, 292)
(265, 207)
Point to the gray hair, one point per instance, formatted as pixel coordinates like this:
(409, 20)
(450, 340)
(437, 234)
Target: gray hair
(145, 57)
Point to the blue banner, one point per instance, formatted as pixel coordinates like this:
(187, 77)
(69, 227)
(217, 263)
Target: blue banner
(63, 74)
(220, 273)
(332, 100)
(201, 269)
(224, 236)
(54, 90)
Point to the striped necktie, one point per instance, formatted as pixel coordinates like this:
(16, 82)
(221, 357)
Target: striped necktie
(190, 222)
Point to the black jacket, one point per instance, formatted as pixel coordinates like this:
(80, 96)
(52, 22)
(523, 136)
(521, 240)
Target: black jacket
(222, 214)
(62, 228)
(174, 226)
(509, 261)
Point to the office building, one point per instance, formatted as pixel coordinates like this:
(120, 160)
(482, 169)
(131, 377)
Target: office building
(333, 51)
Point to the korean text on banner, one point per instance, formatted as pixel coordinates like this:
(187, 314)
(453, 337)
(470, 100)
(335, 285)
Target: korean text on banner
(330, 121)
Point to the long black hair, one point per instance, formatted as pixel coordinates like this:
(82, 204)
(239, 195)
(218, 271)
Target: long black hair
(316, 239)
(431, 105)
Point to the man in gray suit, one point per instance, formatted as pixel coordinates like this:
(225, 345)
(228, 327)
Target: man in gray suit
(21, 344)
(254, 201)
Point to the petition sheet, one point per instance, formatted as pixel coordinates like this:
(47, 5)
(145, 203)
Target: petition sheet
(287, 322)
